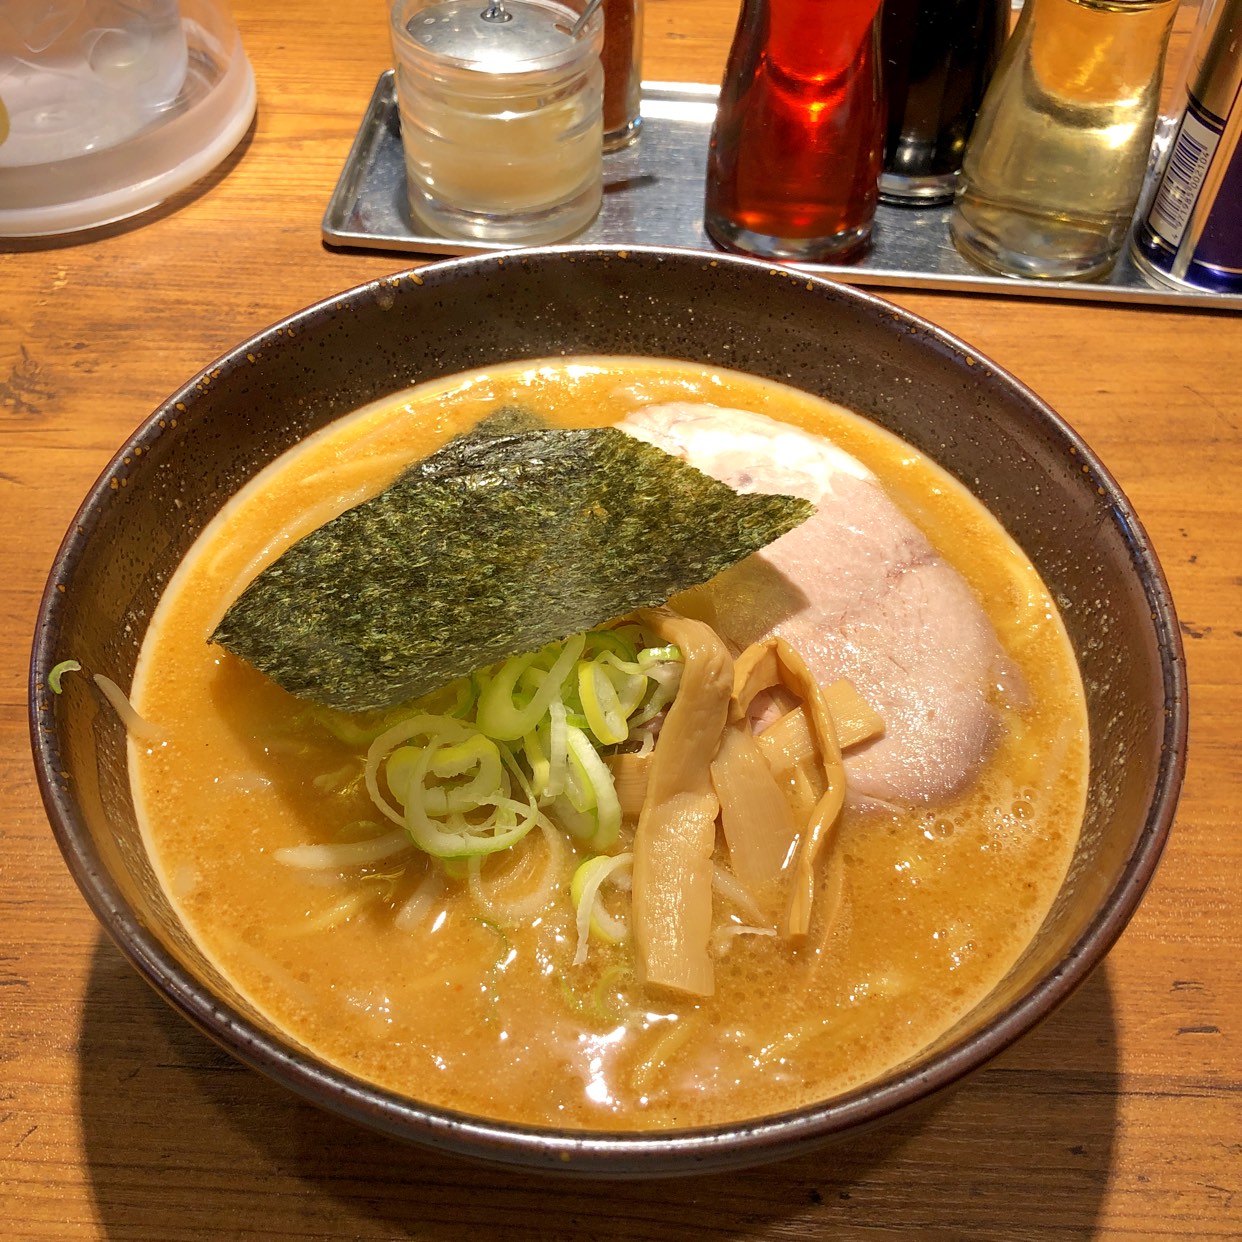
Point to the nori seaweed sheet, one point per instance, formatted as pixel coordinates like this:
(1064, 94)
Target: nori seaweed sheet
(509, 537)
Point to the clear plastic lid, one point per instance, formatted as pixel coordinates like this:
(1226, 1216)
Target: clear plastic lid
(109, 107)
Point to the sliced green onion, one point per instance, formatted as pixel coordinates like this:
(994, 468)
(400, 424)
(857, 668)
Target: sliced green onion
(579, 788)
(500, 716)
(478, 755)
(558, 748)
(534, 747)
(586, 761)
(456, 837)
(456, 699)
(665, 679)
(616, 643)
(422, 725)
(581, 825)
(631, 688)
(58, 671)
(519, 736)
(601, 705)
(497, 711)
(660, 655)
(399, 769)
(432, 812)
(608, 695)
(591, 917)
(439, 826)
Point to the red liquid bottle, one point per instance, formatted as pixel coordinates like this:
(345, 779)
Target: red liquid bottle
(797, 148)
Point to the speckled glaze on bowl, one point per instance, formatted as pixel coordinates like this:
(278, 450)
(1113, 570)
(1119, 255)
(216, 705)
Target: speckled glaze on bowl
(1009, 448)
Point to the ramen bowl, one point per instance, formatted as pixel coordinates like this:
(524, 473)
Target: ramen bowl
(1010, 450)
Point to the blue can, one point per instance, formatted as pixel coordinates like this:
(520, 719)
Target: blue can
(1191, 236)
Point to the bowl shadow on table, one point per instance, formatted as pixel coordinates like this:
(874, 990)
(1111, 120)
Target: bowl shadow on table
(182, 1141)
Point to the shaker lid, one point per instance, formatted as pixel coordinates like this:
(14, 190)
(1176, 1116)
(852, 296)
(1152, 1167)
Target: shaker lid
(494, 38)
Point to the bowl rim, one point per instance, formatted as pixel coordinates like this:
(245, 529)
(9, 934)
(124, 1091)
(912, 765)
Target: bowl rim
(604, 1153)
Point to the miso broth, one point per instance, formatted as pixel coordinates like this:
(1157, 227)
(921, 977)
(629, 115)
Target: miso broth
(471, 1001)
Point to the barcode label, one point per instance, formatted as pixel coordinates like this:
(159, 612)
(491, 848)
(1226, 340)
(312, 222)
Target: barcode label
(1183, 178)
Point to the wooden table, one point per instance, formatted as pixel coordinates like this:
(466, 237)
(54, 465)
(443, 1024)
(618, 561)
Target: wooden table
(1121, 1117)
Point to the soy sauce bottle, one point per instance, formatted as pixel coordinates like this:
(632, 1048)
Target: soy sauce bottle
(795, 152)
(939, 56)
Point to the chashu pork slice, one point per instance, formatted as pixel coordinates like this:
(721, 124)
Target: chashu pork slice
(859, 591)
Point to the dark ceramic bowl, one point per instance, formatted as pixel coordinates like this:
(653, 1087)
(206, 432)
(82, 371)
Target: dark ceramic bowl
(1010, 449)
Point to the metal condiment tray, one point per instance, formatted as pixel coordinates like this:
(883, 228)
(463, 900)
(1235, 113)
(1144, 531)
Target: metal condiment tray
(653, 195)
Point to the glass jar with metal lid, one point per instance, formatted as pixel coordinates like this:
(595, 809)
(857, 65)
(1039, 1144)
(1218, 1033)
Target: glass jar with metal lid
(501, 116)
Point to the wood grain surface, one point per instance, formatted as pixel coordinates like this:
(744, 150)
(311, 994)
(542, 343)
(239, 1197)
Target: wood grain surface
(1120, 1117)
